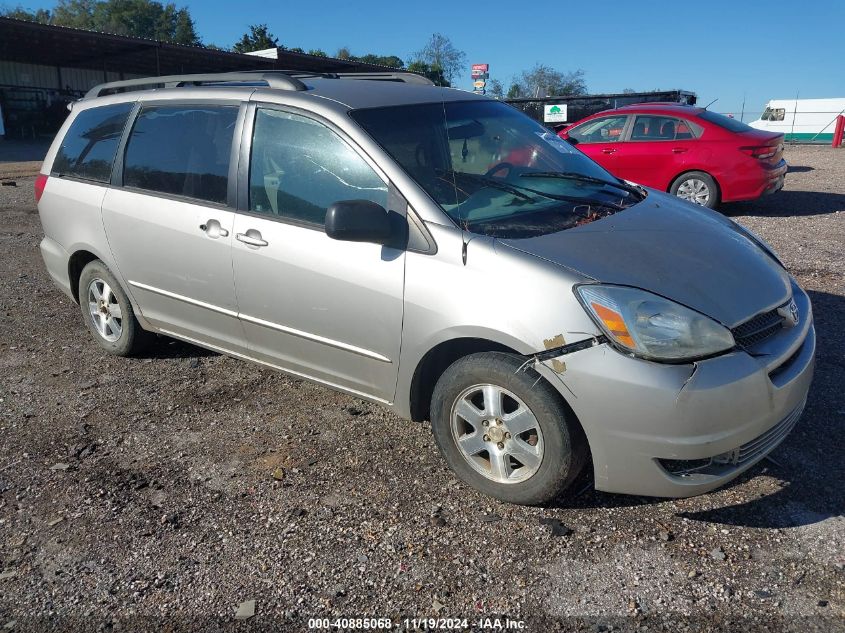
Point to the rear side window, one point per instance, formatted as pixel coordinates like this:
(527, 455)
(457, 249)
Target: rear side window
(182, 150)
(649, 127)
(89, 147)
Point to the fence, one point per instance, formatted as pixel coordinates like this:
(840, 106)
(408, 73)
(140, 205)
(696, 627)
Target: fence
(799, 126)
(585, 105)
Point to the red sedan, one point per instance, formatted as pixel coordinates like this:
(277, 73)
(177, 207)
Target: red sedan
(696, 154)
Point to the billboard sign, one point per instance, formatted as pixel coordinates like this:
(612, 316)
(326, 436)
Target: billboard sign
(480, 75)
(555, 113)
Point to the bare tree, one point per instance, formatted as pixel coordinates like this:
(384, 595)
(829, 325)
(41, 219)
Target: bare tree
(545, 81)
(440, 53)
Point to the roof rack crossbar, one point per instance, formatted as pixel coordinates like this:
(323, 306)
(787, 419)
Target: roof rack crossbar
(282, 81)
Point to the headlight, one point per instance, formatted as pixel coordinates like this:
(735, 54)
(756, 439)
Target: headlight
(653, 327)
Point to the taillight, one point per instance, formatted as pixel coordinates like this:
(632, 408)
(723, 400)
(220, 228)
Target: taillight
(763, 152)
(40, 183)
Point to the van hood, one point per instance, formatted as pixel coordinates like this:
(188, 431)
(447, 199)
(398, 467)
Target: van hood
(672, 248)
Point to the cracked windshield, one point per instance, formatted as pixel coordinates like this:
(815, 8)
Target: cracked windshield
(495, 171)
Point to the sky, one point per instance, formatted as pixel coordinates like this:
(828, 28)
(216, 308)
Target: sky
(731, 51)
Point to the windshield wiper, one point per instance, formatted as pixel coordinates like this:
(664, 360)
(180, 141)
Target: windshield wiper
(571, 175)
(490, 182)
(518, 190)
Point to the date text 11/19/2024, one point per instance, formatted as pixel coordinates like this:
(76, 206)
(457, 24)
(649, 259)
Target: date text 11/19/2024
(416, 624)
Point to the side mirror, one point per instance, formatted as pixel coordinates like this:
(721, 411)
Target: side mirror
(358, 221)
(570, 140)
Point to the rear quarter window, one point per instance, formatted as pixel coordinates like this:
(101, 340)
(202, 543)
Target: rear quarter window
(732, 125)
(90, 144)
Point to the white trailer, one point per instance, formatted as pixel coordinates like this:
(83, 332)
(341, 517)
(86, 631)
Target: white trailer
(806, 120)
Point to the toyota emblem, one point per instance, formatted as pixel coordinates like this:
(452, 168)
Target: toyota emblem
(790, 314)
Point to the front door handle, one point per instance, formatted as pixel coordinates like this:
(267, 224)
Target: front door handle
(213, 229)
(251, 238)
(679, 150)
(608, 150)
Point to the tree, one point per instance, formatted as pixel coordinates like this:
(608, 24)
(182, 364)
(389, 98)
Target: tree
(317, 52)
(514, 91)
(139, 18)
(435, 73)
(628, 91)
(440, 53)
(545, 81)
(184, 30)
(370, 58)
(383, 60)
(41, 16)
(259, 38)
(78, 14)
(495, 89)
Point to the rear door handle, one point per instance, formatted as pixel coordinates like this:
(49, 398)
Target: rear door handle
(679, 150)
(251, 238)
(608, 150)
(213, 229)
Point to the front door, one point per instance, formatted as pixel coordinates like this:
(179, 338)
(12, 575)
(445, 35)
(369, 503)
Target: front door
(656, 150)
(600, 139)
(321, 308)
(170, 224)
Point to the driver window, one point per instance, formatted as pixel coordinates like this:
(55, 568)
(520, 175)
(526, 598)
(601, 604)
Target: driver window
(299, 167)
(603, 130)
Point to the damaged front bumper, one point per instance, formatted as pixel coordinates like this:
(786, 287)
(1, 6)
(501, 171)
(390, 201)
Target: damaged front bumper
(681, 430)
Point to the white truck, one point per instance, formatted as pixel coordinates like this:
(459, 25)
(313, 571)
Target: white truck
(806, 120)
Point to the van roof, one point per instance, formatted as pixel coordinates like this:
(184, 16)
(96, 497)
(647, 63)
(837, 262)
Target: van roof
(353, 90)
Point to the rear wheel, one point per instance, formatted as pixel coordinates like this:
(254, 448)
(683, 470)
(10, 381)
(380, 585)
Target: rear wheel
(697, 187)
(505, 432)
(108, 313)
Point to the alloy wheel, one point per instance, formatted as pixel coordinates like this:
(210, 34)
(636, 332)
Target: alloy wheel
(105, 311)
(694, 190)
(497, 434)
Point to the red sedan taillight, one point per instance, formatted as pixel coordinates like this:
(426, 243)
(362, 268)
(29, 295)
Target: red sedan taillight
(40, 183)
(762, 152)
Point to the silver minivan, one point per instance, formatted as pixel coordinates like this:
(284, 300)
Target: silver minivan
(439, 253)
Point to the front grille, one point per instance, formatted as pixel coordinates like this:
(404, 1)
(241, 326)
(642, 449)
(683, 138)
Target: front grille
(758, 328)
(771, 438)
(748, 452)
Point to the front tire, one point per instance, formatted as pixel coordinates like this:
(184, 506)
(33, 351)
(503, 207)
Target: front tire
(108, 313)
(698, 188)
(505, 431)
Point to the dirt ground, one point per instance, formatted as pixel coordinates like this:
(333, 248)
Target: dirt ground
(161, 493)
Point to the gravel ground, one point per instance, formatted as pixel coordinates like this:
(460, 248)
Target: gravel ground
(163, 492)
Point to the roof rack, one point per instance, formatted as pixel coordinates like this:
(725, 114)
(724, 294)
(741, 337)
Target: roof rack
(280, 80)
(401, 76)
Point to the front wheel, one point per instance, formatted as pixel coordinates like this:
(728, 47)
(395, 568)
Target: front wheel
(697, 187)
(505, 432)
